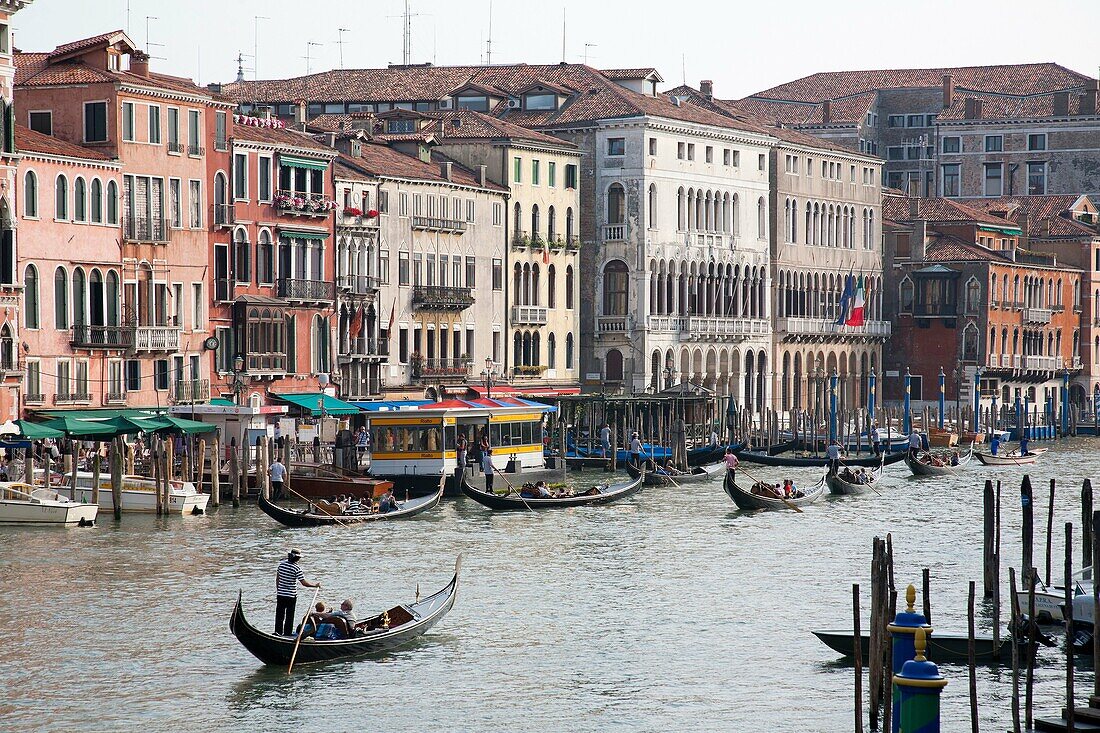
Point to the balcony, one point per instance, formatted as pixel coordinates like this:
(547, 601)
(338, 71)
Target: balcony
(12, 367)
(222, 215)
(614, 233)
(436, 370)
(364, 348)
(196, 150)
(34, 398)
(572, 242)
(190, 391)
(1037, 315)
(102, 337)
(115, 398)
(665, 324)
(67, 398)
(221, 144)
(528, 315)
(529, 371)
(259, 365)
(827, 327)
(611, 324)
(141, 229)
(157, 338)
(361, 219)
(442, 298)
(175, 147)
(431, 223)
(306, 291)
(359, 284)
(520, 240)
(291, 203)
(723, 327)
(1034, 363)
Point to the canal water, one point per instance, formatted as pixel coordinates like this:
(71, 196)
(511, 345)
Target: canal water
(668, 611)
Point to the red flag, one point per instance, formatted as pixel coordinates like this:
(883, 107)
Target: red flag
(546, 254)
(855, 317)
(393, 314)
(356, 327)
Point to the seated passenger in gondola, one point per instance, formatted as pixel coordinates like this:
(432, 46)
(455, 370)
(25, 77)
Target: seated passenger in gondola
(527, 491)
(955, 458)
(541, 490)
(387, 503)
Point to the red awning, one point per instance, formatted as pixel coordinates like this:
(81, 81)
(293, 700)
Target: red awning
(505, 389)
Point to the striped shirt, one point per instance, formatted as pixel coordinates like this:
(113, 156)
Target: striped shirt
(286, 579)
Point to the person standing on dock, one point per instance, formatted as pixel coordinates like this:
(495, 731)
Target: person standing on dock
(287, 578)
(605, 440)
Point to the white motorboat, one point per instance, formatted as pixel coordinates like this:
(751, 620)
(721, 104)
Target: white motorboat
(25, 504)
(138, 493)
(1012, 458)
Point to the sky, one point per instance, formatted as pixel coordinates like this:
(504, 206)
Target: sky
(743, 47)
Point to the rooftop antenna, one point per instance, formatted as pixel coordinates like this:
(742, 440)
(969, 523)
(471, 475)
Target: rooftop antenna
(340, 43)
(563, 34)
(149, 44)
(256, 44)
(241, 68)
(489, 42)
(308, 57)
(406, 33)
(683, 69)
(586, 47)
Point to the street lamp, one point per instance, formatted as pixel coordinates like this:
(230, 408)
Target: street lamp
(322, 382)
(236, 379)
(488, 374)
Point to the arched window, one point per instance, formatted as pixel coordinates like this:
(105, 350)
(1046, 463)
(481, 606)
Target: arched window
(551, 225)
(616, 283)
(551, 287)
(61, 198)
(61, 299)
(761, 218)
(970, 343)
(569, 350)
(80, 200)
(112, 203)
(535, 297)
(616, 204)
(613, 366)
(652, 206)
(30, 195)
(535, 222)
(95, 203)
(681, 210)
(320, 361)
(569, 286)
(517, 219)
(973, 295)
(7, 348)
(96, 315)
(241, 249)
(113, 300)
(30, 297)
(551, 352)
(80, 298)
(569, 225)
(265, 259)
(905, 296)
(221, 209)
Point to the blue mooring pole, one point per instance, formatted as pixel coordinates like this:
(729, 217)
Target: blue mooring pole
(903, 631)
(919, 685)
(977, 400)
(1065, 403)
(907, 419)
(943, 383)
(1019, 418)
(832, 406)
(871, 379)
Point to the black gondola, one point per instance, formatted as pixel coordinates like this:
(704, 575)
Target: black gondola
(696, 474)
(308, 517)
(595, 495)
(406, 622)
(751, 502)
(809, 462)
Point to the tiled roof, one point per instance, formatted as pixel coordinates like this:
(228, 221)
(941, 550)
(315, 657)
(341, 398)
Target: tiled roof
(36, 70)
(442, 126)
(346, 170)
(1016, 79)
(29, 141)
(279, 136)
(384, 161)
(596, 97)
(844, 111)
(1045, 216)
(998, 107)
(941, 210)
(84, 43)
(945, 248)
(621, 74)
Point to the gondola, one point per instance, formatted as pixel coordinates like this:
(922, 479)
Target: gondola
(597, 495)
(920, 468)
(749, 501)
(941, 647)
(311, 517)
(405, 623)
(1010, 459)
(810, 462)
(696, 474)
(838, 486)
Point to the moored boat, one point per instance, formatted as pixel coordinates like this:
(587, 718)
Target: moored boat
(938, 438)
(25, 504)
(790, 461)
(661, 477)
(927, 468)
(604, 494)
(941, 647)
(323, 514)
(388, 630)
(317, 481)
(1010, 459)
(138, 493)
(747, 500)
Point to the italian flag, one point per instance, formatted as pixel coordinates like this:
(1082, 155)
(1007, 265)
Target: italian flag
(855, 317)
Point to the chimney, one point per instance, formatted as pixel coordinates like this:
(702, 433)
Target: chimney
(1061, 104)
(482, 174)
(914, 208)
(1024, 222)
(948, 90)
(826, 112)
(918, 240)
(300, 112)
(445, 169)
(706, 86)
(973, 108)
(1088, 99)
(139, 64)
(330, 137)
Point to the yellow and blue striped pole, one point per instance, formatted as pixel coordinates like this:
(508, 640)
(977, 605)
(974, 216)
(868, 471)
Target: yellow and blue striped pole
(920, 685)
(871, 379)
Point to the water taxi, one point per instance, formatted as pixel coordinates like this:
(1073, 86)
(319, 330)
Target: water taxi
(25, 504)
(417, 445)
(138, 493)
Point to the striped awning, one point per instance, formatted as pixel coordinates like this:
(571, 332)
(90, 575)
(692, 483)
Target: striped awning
(302, 234)
(296, 162)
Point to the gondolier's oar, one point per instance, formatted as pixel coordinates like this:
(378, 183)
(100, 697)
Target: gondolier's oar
(512, 488)
(302, 628)
(789, 504)
(666, 474)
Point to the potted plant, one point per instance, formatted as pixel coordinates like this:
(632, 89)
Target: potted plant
(353, 211)
(416, 364)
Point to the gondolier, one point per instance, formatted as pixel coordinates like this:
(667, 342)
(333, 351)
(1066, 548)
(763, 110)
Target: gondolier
(832, 452)
(635, 449)
(605, 439)
(731, 461)
(277, 471)
(487, 467)
(287, 578)
(914, 444)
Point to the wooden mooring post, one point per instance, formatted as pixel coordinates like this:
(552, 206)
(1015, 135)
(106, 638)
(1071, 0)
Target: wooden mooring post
(858, 653)
(1014, 618)
(1050, 528)
(235, 472)
(1068, 578)
(215, 473)
(971, 662)
(118, 458)
(1027, 533)
(1086, 523)
(988, 532)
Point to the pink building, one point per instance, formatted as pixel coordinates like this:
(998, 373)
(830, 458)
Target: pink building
(73, 339)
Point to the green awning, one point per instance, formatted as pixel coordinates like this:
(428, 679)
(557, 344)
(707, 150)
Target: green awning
(309, 401)
(106, 414)
(222, 402)
(130, 425)
(295, 162)
(76, 428)
(36, 430)
(302, 234)
(188, 427)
